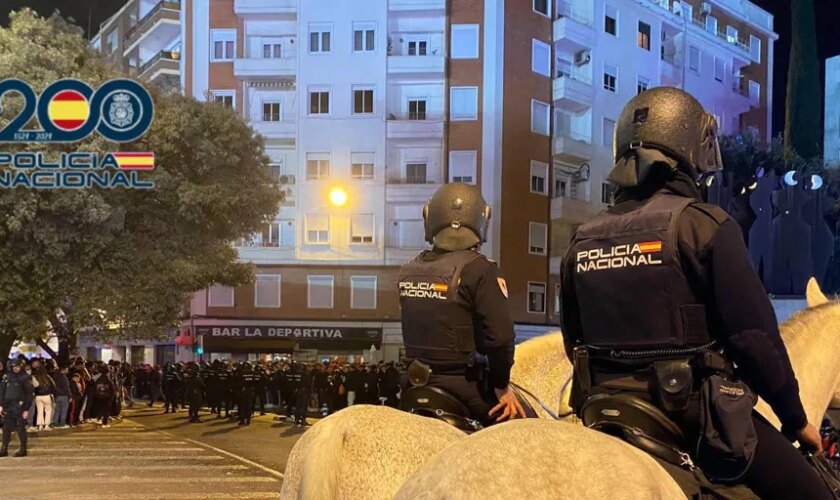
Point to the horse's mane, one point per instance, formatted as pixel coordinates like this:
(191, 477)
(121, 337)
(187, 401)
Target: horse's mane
(538, 345)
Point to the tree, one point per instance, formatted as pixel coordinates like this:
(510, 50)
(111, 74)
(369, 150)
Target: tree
(124, 261)
(803, 106)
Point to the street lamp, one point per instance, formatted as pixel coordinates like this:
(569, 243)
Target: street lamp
(338, 197)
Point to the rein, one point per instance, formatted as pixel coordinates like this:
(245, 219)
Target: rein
(518, 389)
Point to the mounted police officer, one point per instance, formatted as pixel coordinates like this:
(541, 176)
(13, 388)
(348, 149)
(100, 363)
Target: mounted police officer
(16, 395)
(457, 330)
(668, 324)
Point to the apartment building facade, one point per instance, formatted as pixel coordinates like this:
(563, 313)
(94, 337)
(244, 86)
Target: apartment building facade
(831, 132)
(383, 101)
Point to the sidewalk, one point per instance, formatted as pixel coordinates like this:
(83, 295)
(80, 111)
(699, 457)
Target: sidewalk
(86, 427)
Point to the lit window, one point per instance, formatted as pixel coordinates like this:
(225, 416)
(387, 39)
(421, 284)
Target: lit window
(643, 39)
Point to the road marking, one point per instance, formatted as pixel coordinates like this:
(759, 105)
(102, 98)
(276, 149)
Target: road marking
(232, 455)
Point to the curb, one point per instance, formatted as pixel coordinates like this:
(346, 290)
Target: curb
(87, 427)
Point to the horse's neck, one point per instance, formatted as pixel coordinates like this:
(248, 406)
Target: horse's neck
(811, 340)
(542, 368)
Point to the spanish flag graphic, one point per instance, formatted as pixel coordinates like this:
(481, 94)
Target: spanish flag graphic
(68, 110)
(135, 161)
(650, 246)
(440, 287)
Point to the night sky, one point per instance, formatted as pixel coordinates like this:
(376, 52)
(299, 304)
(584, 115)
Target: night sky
(89, 13)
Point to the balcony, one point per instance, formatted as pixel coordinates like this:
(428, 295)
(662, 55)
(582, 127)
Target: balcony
(415, 126)
(283, 129)
(571, 148)
(164, 62)
(408, 5)
(263, 7)
(416, 65)
(572, 31)
(156, 29)
(573, 210)
(573, 93)
(408, 190)
(256, 65)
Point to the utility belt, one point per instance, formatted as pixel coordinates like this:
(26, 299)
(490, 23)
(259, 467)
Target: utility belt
(671, 379)
(474, 368)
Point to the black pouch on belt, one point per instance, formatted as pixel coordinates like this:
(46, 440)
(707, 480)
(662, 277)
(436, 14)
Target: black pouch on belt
(726, 446)
(675, 381)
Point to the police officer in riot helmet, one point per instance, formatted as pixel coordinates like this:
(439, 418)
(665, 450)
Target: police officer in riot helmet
(457, 330)
(16, 396)
(660, 302)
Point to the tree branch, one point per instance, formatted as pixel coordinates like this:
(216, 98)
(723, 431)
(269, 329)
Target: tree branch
(43, 345)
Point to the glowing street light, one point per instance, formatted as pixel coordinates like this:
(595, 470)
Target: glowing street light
(338, 197)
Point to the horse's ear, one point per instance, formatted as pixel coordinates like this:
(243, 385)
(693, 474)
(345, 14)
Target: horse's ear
(814, 295)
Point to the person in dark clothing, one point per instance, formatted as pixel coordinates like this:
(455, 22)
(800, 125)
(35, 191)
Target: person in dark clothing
(225, 381)
(248, 381)
(62, 398)
(211, 380)
(371, 378)
(389, 385)
(292, 380)
(155, 383)
(262, 386)
(303, 390)
(355, 385)
(193, 392)
(172, 382)
(456, 323)
(614, 310)
(103, 396)
(76, 397)
(16, 396)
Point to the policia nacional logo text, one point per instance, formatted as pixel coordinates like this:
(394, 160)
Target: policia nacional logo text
(423, 290)
(619, 256)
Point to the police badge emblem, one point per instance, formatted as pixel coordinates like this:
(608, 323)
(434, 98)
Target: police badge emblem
(121, 112)
(503, 286)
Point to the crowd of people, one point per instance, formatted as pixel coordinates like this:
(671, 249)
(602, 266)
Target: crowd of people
(292, 389)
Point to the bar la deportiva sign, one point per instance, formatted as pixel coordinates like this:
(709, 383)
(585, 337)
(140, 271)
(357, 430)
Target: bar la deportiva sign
(289, 332)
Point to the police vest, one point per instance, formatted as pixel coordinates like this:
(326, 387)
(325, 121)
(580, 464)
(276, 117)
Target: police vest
(14, 390)
(631, 290)
(437, 323)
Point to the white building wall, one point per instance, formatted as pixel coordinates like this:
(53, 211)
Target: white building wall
(831, 146)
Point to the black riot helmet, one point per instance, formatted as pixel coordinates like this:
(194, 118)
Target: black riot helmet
(456, 217)
(664, 125)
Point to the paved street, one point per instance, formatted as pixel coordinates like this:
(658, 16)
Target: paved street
(151, 455)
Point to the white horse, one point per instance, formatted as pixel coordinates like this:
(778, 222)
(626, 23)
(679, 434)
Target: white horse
(541, 459)
(368, 451)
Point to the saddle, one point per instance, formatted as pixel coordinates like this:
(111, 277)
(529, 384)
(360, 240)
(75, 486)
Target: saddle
(436, 403)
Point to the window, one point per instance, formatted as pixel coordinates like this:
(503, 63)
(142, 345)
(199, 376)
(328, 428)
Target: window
(271, 235)
(418, 48)
(607, 132)
(417, 109)
(720, 69)
(536, 297)
(462, 166)
(755, 92)
(610, 77)
(642, 84)
(560, 185)
(557, 300)
(319, 38)
(463, 103)
(539, 176)
(223, 45)
(317, 166)
(415, 173)
(540, 117)
(540, 58)
(606, 193)
(361, 229)
(113, 41)
(319, 102)
(755, 48)
(317, 229)
(611, 20)
(363, 101)
(220, 296)
(541, 6)
(320, 292)
(731, 34)
(464, 41)
(364, 35)
(537, 238)
(267, 290)
(694, 59)
(272, 51)
(271, 111)
(361, 166)
(643, 39)
(711, 24)
(224, 97)
(688, 11)
(363, 292)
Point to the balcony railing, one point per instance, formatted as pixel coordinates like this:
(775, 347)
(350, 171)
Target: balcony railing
(738, 88)
(171, 5)
(564, 10)
(412, 179)
(573, 135)
(416, 116)
(287, 51)
(578, 77)
(166, 55)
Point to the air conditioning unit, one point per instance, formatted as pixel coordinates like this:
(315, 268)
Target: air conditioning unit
(287, 179)
(706, 8)
(582, 57)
